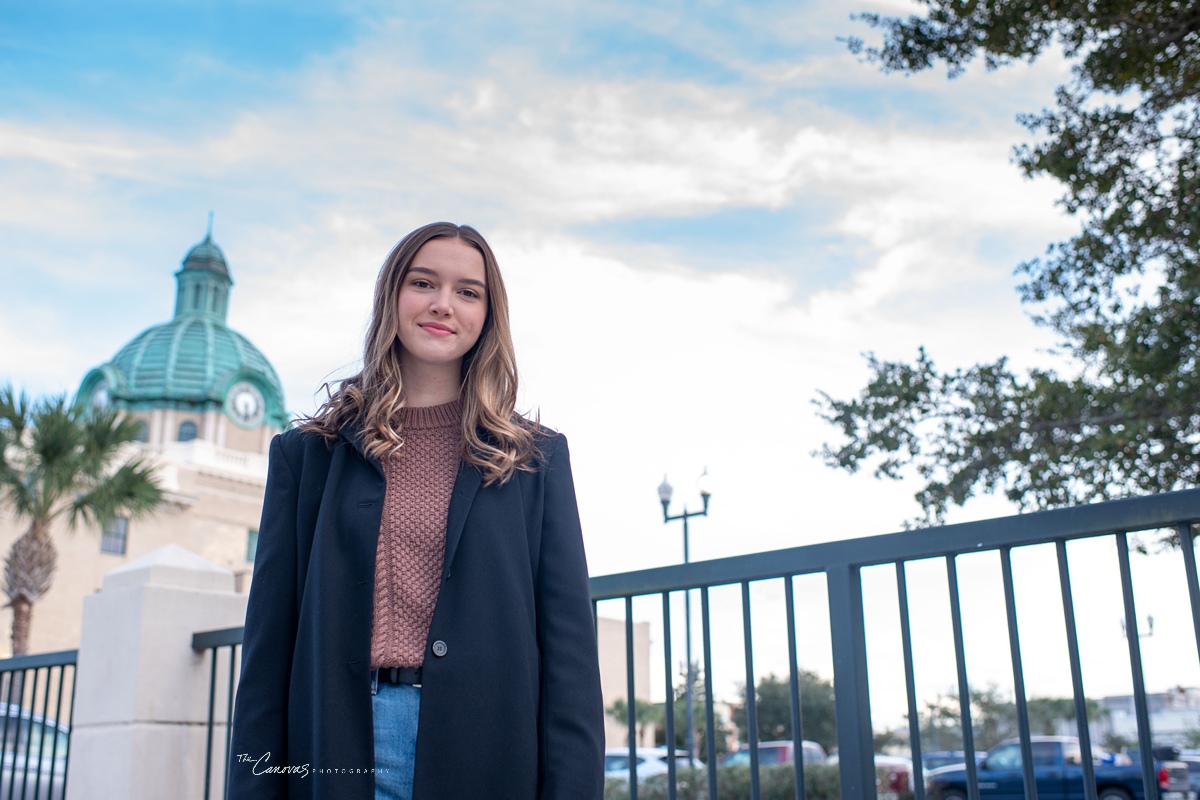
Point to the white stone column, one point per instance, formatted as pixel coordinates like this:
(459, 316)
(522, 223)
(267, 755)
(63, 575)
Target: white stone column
(139, 729)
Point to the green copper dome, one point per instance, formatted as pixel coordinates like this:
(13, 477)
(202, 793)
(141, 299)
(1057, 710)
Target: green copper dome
(195, 361)
(207, 256)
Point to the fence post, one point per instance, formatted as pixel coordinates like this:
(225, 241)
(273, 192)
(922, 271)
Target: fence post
(141, 704)
(856, 741)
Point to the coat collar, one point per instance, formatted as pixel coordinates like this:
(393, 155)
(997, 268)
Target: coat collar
(463, 495)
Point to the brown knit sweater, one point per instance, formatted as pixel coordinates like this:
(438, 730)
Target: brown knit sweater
(412, 533)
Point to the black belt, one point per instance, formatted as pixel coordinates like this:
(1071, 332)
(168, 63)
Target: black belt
(397, 675)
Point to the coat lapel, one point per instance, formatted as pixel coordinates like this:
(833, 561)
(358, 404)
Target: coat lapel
(350, 433)
(465, 487)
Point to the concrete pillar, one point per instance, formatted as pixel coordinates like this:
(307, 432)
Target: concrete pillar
(141, 695)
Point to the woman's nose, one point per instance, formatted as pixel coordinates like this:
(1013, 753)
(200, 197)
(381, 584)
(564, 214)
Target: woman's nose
(440, 304)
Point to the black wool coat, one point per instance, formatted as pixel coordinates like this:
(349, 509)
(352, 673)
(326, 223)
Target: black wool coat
(510, 700)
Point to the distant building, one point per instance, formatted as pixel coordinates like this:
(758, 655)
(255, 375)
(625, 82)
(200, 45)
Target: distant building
(611, 635)
(1174, 715)
(209, 403)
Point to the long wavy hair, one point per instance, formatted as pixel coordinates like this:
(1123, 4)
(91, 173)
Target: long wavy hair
(494, 436)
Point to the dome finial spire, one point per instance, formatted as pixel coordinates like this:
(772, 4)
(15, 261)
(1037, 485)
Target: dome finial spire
(208, 234)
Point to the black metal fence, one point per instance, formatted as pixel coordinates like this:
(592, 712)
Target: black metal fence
(215, 642)
(842, 564)
(38, 694)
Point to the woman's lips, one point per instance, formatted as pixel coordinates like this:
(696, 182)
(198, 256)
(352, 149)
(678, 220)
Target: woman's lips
(436, 329)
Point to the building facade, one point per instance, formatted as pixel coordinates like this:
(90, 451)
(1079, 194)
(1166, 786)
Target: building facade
(208, 402)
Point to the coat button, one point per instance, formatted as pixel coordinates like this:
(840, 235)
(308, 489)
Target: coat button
(439, 648)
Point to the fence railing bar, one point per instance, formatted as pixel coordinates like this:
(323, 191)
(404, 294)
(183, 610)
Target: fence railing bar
(1081, 720)
(62, 677)
(852, 704)
(37, 783)
(789, 597)
(910, 683)
(71, 715)
(1140, 707)
(631, 700)
(710, 736)
(669, 703)
(964, 688)
(37, 673)
(38, 660)
(233, 650)
(1014, 649)
(1096, 519)
(208, 747)
(751, 692)
(1188, 545)
(8, 717)
(223, 637)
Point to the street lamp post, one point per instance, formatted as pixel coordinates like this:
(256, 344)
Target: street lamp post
(664, 494)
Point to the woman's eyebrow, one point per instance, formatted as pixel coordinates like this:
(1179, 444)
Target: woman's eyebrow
(434, 273)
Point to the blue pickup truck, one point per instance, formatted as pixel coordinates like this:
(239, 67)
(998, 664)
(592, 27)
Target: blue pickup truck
(1058, 770)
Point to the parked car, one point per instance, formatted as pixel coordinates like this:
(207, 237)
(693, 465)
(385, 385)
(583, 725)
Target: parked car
(1058, 770)
(650, 761)
(893, 774)
(775, 753)
(1191, 758)
(942, 758)
(33, 755)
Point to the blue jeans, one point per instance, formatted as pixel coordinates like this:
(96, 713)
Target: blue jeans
(395, 708)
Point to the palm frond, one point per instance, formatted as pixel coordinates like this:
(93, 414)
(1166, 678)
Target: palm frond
(14, 413)
(55, 446)
(105, 431)
(131, 491)
(16, 487)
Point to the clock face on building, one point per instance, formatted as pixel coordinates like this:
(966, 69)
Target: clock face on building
(246, 404)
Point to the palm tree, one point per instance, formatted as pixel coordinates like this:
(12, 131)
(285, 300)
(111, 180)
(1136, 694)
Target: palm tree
(59, 460)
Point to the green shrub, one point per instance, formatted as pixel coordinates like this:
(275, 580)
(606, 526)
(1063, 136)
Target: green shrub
(733, 783)
(616, 789)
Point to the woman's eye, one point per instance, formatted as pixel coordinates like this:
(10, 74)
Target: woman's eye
(421, 283)
(470, 293)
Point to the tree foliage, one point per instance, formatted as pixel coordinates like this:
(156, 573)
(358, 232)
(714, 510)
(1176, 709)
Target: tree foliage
(994, 718)
(62, 462)
(654, 715)
(773, 710)
(1123, 295)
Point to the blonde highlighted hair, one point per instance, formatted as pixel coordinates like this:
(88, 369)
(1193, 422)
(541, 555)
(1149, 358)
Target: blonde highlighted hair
(494, 436)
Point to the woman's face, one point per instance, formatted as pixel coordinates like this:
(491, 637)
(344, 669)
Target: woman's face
(443, 303)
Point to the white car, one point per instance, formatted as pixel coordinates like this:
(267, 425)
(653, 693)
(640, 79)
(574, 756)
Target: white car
(650, 761)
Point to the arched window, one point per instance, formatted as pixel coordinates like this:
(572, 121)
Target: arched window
(195, 298)
(187, 431)
(143, 432)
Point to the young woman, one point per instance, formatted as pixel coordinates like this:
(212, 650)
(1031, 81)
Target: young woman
(419, 623)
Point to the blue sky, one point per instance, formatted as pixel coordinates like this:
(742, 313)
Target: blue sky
(705, 213)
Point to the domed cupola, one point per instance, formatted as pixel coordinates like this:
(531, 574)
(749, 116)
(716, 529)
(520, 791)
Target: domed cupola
(194, 366)
(207, 256)
(203, 283)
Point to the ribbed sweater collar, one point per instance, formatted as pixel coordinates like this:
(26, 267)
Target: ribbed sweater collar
(447, 415)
